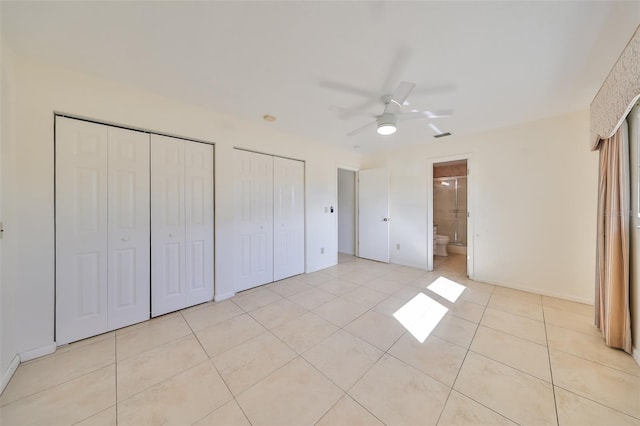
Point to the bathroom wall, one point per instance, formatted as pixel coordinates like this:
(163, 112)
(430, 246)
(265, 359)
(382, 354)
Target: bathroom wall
(450, 168)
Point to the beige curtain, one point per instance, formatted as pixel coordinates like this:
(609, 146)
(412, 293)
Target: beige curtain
(612, 258)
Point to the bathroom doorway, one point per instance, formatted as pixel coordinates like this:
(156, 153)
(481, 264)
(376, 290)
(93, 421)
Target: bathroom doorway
(449, 216)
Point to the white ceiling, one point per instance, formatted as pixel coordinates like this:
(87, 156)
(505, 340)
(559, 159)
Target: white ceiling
(493, 63)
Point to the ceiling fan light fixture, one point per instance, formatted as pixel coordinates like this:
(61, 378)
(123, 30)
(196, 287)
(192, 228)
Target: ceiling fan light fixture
(386, 129)
(387, 124)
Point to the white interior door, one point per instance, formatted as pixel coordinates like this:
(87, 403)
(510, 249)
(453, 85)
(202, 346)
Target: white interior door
(373, 214)
(288, 209)
(167, 225)
(199, 222)
(81, 229)
(128, 224)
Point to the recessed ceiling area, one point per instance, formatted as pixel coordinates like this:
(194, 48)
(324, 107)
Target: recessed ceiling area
(494, 64)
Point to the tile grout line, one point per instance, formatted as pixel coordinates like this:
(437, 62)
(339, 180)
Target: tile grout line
(461, 364)
(57, 384)
(458, 373)
(553, 387)
(598, 403)
(217, 371)
(115, 355)
(340, 328)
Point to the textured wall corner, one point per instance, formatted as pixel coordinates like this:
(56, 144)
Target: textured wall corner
(618, 93)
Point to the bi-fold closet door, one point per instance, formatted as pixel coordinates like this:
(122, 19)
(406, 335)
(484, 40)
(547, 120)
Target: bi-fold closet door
(134, 227)
(181, 223)
(102, 228)
(269, 219)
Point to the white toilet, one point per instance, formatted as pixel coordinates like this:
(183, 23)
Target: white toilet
(440, 243)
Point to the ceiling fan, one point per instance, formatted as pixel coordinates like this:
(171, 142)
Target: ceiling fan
(393, 111)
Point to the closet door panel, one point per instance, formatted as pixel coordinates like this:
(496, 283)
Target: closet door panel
(81, 229)
(199, 222)
(128, 224)
(168, 290)
(243, 221)
(262, 215)
(288, 209)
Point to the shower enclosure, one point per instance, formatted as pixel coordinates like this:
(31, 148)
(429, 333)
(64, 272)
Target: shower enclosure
(450, 208)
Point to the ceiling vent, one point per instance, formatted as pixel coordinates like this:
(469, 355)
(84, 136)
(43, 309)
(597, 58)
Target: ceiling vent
(442, 135)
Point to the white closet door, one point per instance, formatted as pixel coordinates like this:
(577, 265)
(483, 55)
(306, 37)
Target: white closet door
(288, 182)
(167, 225)
(262, 214)
(128, 225)
(81, 229)
(199, 222)
(253, 247)
(243, 221)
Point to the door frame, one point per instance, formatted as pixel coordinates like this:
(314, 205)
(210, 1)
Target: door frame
(356, 247)
(470, 213)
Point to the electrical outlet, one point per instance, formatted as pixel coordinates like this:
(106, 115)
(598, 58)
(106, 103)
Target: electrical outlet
(398, 246)
(321, 250)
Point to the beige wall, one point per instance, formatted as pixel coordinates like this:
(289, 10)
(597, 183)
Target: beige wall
(533, 215)
(44, 89)
(7, 165)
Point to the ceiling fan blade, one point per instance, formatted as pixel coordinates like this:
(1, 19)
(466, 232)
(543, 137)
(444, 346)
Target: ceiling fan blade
(435, 90)
(442, 113)
(341, 87)
(399, 64)
(360, 129)
(345, 113)
(416, 115)
(402, 92)
(351, 112)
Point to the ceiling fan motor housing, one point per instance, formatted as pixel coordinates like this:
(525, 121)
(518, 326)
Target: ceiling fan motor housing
(387, 119)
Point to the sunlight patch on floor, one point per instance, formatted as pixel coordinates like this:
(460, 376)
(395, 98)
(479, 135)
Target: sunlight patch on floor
(420, 316)
(446, 288)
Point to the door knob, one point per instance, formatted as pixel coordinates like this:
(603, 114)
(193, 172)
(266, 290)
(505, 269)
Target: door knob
(125, 239)
(170, 235)
(386, 219)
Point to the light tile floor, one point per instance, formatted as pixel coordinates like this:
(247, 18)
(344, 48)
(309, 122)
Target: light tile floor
(325, 348)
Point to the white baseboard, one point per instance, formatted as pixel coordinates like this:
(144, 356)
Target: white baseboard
(536, 291)
(635, 353)
(38, 352)
(224, 296)
(8, 374)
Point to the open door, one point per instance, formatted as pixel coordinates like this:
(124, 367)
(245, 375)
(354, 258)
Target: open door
(373, 214)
